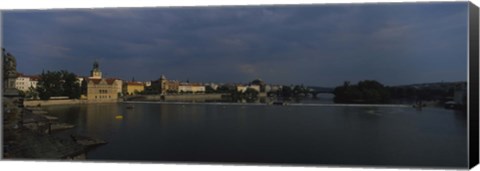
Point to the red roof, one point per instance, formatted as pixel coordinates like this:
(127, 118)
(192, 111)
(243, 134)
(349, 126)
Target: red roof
(110, 80)
(32, 77)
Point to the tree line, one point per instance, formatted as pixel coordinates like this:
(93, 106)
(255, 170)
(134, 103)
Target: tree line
(367, 91)
(371, 91)
(58, 83)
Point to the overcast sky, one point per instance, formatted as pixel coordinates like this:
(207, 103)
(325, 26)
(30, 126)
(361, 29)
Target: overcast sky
(320, 45)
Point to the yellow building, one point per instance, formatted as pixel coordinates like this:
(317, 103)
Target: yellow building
(119, 85)
(131, 88)
(102, 89)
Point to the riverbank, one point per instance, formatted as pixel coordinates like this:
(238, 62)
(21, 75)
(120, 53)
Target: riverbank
(31, 103)
(266, 104)
(175, 97)
(33, 145)
(200, 97)
(34, 138)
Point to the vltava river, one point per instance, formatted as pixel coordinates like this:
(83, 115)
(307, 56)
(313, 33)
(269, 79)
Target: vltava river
(397, 136)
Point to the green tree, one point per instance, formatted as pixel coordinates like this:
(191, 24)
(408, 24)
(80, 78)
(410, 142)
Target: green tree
(251, 93)
(225, 89)
(297, 90)
(58, 83)
(209, 89)
(367, 91)
(31, 93)
(22, 93)
(84, 87)
(70, 86)
(286, 92)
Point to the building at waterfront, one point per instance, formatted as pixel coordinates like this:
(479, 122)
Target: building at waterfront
(25, 82)
(80, 79)
(172, 86)
(213, 86)
(133, 87)
(191, 88)
(95, 73)
(260, 83)
(147, 83)
(164, 86)
(118, 84)
(102, 89)
(160, 86)
(242, 88)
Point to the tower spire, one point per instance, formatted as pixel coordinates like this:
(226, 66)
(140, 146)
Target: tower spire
(95, 65)
(95, 72)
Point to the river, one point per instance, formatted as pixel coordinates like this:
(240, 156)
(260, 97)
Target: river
(297, 134)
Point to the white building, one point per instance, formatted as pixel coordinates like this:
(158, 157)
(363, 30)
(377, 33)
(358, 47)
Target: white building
(147, 83)
(212, 85)
(193, 88)
(80, 80)
(24, 82)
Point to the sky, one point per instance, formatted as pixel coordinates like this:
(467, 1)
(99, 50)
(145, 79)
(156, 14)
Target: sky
(316, 45)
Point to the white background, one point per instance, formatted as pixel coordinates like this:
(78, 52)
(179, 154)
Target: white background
(84, 166)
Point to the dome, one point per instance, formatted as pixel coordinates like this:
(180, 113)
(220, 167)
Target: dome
(163, 77)
(258, 81)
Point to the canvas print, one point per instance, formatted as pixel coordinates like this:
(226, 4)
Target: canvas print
(381, 84)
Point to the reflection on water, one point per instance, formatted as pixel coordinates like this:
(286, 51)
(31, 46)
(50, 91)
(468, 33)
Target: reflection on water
(321, 98)
(272, 134)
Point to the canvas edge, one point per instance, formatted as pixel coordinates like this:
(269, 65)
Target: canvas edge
(473, 82)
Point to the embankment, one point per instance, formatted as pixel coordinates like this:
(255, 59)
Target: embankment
(193, 97)
(64, 102)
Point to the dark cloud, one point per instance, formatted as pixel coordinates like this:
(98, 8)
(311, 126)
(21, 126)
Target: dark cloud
(310, 44)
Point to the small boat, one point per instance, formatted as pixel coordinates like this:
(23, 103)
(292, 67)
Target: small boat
(119, 117)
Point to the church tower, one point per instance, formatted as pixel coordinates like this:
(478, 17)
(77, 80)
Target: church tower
(163, 84)
(95, 73)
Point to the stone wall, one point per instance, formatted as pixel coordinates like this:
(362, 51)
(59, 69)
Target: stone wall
(65, 102)
(193, 96)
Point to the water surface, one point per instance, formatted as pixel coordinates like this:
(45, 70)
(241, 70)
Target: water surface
(395, 136)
